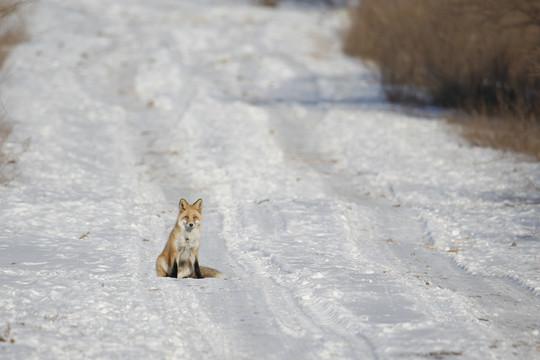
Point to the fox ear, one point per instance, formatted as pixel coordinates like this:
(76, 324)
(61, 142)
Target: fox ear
(198, 204)
(183, 204)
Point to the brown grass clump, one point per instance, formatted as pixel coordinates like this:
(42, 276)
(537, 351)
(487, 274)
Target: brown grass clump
(275, 3)
(12, 32)
(481, 56)
(12, 27)
(518, 135)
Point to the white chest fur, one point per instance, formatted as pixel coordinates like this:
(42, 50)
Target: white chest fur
(188, 240)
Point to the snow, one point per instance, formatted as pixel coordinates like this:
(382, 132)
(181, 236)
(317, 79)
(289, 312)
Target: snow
(347, 228)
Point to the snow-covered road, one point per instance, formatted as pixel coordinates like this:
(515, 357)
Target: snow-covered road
(347, 228)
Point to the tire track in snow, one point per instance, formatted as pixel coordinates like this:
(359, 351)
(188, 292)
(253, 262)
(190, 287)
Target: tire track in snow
(174, 312)
(257, 295)
(397, 234)
(273, 258)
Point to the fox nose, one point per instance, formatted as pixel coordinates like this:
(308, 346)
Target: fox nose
(190, 224)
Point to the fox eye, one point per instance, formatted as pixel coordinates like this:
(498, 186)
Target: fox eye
(195, 218)
(186, 218)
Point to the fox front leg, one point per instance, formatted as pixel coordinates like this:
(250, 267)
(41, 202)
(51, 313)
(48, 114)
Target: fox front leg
(183, 269)
(197, 269)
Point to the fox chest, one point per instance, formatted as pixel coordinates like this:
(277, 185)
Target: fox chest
(187, 243)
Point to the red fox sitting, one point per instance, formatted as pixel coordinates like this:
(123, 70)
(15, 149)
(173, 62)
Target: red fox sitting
(180, 259)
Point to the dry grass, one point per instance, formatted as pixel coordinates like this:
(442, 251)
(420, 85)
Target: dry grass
(518, 136)
(481, 56)
(12, 27)
(275, 3)
(12, 32)
(269, 3)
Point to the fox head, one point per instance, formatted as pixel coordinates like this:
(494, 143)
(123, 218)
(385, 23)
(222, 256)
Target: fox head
(190, 216)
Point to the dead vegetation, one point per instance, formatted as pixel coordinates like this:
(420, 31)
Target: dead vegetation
(12, 32)
(508, 134)
(12, 27)
(6, 335)
(275, 3)
(479, 56)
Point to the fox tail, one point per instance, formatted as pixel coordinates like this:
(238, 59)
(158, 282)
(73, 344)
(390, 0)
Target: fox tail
(211, 273)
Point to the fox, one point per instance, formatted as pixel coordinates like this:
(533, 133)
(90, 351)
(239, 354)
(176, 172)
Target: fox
(180, 257)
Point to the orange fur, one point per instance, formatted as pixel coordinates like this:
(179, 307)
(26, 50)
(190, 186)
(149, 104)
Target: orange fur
(180, 257)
